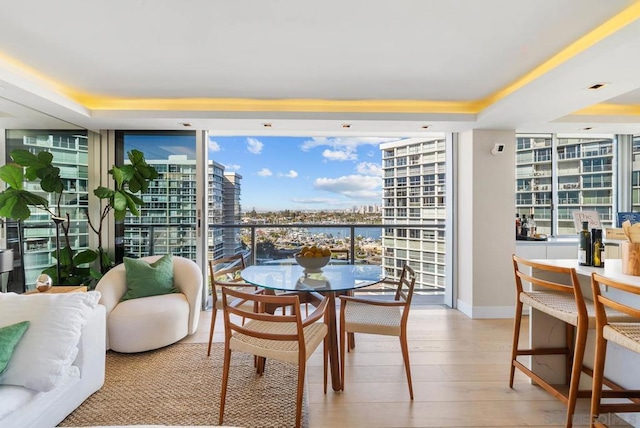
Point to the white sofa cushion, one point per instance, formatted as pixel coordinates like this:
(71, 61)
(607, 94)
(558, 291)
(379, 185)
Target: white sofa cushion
(50, 345)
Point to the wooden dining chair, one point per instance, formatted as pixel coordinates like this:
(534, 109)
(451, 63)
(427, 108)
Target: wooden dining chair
(284, 337)
(624, 334)
(376, 316)
(224, 272)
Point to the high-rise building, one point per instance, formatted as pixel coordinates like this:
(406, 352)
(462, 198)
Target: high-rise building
(167, 222)
(579, 170)
(232, 212)
(70, 154)
(414, 194)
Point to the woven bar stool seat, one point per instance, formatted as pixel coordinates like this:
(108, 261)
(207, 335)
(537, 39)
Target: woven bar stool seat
(563, 307)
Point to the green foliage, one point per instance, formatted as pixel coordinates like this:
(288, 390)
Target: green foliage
(15, 203)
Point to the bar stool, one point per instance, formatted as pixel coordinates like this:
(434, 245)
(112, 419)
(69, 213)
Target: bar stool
(625, 334)
(563, 301)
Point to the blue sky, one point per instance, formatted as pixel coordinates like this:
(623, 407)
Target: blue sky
(303, 172)
(289, 172)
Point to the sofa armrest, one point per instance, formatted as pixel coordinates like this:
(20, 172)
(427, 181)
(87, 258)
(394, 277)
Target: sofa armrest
(92, 349)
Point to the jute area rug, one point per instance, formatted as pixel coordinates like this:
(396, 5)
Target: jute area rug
(180, 385)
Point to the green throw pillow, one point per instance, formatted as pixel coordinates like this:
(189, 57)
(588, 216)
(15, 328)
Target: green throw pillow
(148, 279)
(9, 338)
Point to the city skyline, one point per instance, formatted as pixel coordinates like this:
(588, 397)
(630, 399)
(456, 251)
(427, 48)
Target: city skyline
(299, 173)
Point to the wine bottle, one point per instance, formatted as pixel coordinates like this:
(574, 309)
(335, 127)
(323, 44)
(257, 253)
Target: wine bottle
(584, 248)
(532, 226)
(598, 249)
(524, 226)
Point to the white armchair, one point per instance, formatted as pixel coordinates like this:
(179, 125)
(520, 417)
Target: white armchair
(147, 323)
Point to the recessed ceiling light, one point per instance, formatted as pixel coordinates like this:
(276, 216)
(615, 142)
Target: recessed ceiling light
(425, 126)
(588, 128)
(597, 86)
(186, 124)
(346, 125)
(267, 125)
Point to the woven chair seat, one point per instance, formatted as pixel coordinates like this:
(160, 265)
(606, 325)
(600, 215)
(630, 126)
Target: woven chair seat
(372, 319)
(624, 334)
(286, 351)
(563, 307)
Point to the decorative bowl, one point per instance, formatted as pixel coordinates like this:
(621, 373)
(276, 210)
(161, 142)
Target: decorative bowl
(311, 264)
(43, 283)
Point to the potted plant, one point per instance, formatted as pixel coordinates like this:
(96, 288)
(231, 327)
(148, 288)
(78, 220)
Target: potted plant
(16, 203)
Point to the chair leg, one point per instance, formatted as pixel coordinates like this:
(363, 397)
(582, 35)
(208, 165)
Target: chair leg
(214, 311)
(325, 352)
(225, 379)
(405, 357)
(570, 338)
(516, 337)
(576, 370)
(342, 346)
(301, 372)
(598, 373)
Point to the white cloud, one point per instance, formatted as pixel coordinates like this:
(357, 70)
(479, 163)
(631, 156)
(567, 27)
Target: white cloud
(214, 146)
(254, 146)
(352, 186)
(338, 155)
(264, 172)
(345, 143)
(232, 167)
(369, 168)
(290, 174)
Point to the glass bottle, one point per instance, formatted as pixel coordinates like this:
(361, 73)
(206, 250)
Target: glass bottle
(532, 226)
(524, 226)
(598, 249)
(518, 224)
(584, 248)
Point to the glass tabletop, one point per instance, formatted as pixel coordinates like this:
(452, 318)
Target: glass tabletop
(330, 278)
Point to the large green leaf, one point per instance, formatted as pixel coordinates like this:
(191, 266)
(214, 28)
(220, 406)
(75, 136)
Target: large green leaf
(118, 176)
(86, 256)
(103, 192)
(13, 175)
(132, 205)
(119, 201)
(24, 157)
(15, 203)
(66, 256)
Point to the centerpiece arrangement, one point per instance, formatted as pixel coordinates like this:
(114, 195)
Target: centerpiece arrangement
(313, 258)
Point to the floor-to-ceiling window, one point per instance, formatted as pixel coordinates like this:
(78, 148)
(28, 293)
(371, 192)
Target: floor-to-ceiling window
(557, 175)
(70, 154)
(167, 221)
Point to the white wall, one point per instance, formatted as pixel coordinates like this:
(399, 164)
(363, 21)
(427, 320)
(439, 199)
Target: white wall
(486, 227)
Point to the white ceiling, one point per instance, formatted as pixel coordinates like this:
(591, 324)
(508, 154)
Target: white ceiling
(383, 66)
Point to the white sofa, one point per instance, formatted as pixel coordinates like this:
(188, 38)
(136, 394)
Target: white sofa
(28, 408)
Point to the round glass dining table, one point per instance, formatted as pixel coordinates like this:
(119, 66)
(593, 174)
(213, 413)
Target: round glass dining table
(330, 281)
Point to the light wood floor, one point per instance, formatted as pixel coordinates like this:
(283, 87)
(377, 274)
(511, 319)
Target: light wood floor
(460, 371)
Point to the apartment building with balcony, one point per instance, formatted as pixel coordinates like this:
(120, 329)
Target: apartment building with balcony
(70, 154)
(232, 212)
(579, 169)
(167, 221)
(414, 195)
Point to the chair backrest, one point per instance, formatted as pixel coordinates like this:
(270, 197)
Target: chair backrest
(233, 303)
(338, 253)
(607, 300)
(226, 270)
(551, 278)
(406, 284)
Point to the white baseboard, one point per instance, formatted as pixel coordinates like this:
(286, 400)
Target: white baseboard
(483, 312)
